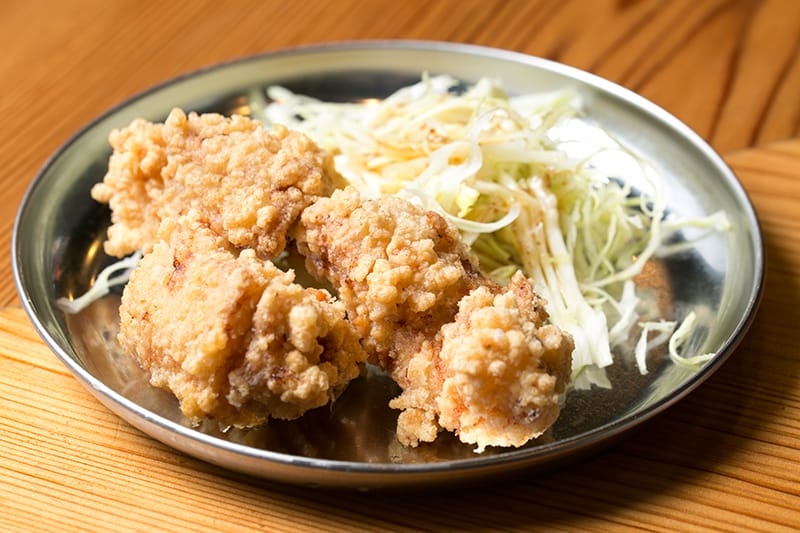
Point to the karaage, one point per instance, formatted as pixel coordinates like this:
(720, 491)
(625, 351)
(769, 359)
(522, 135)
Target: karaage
(471, 357)
(230, 334)
(246, 183)
(494, 376)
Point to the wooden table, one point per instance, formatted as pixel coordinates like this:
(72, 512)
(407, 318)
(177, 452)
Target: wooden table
(727, 457)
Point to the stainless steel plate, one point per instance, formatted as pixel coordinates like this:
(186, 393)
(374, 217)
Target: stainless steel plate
(59, 231)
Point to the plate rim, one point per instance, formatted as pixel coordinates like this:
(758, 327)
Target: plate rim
(522, 456)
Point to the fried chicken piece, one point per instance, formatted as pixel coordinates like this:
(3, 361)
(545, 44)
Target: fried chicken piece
(230, 334)
(246, 183)
(494, 376)
(400, 271)
(470, 356)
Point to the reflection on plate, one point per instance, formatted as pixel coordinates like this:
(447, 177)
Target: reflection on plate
(59, 232)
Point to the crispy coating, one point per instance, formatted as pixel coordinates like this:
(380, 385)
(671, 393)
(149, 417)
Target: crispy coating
(248, 184)
(470, 356)
(212, 199)
(230, 334)
(400, 271)
(497, 374)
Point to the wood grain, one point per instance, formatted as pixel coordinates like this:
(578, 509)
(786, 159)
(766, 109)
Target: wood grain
(725, 458)
(729, 68)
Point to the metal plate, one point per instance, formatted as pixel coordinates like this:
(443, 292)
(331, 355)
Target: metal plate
(59, 231)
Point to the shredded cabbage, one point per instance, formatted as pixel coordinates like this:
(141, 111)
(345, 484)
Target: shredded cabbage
(525, 192)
